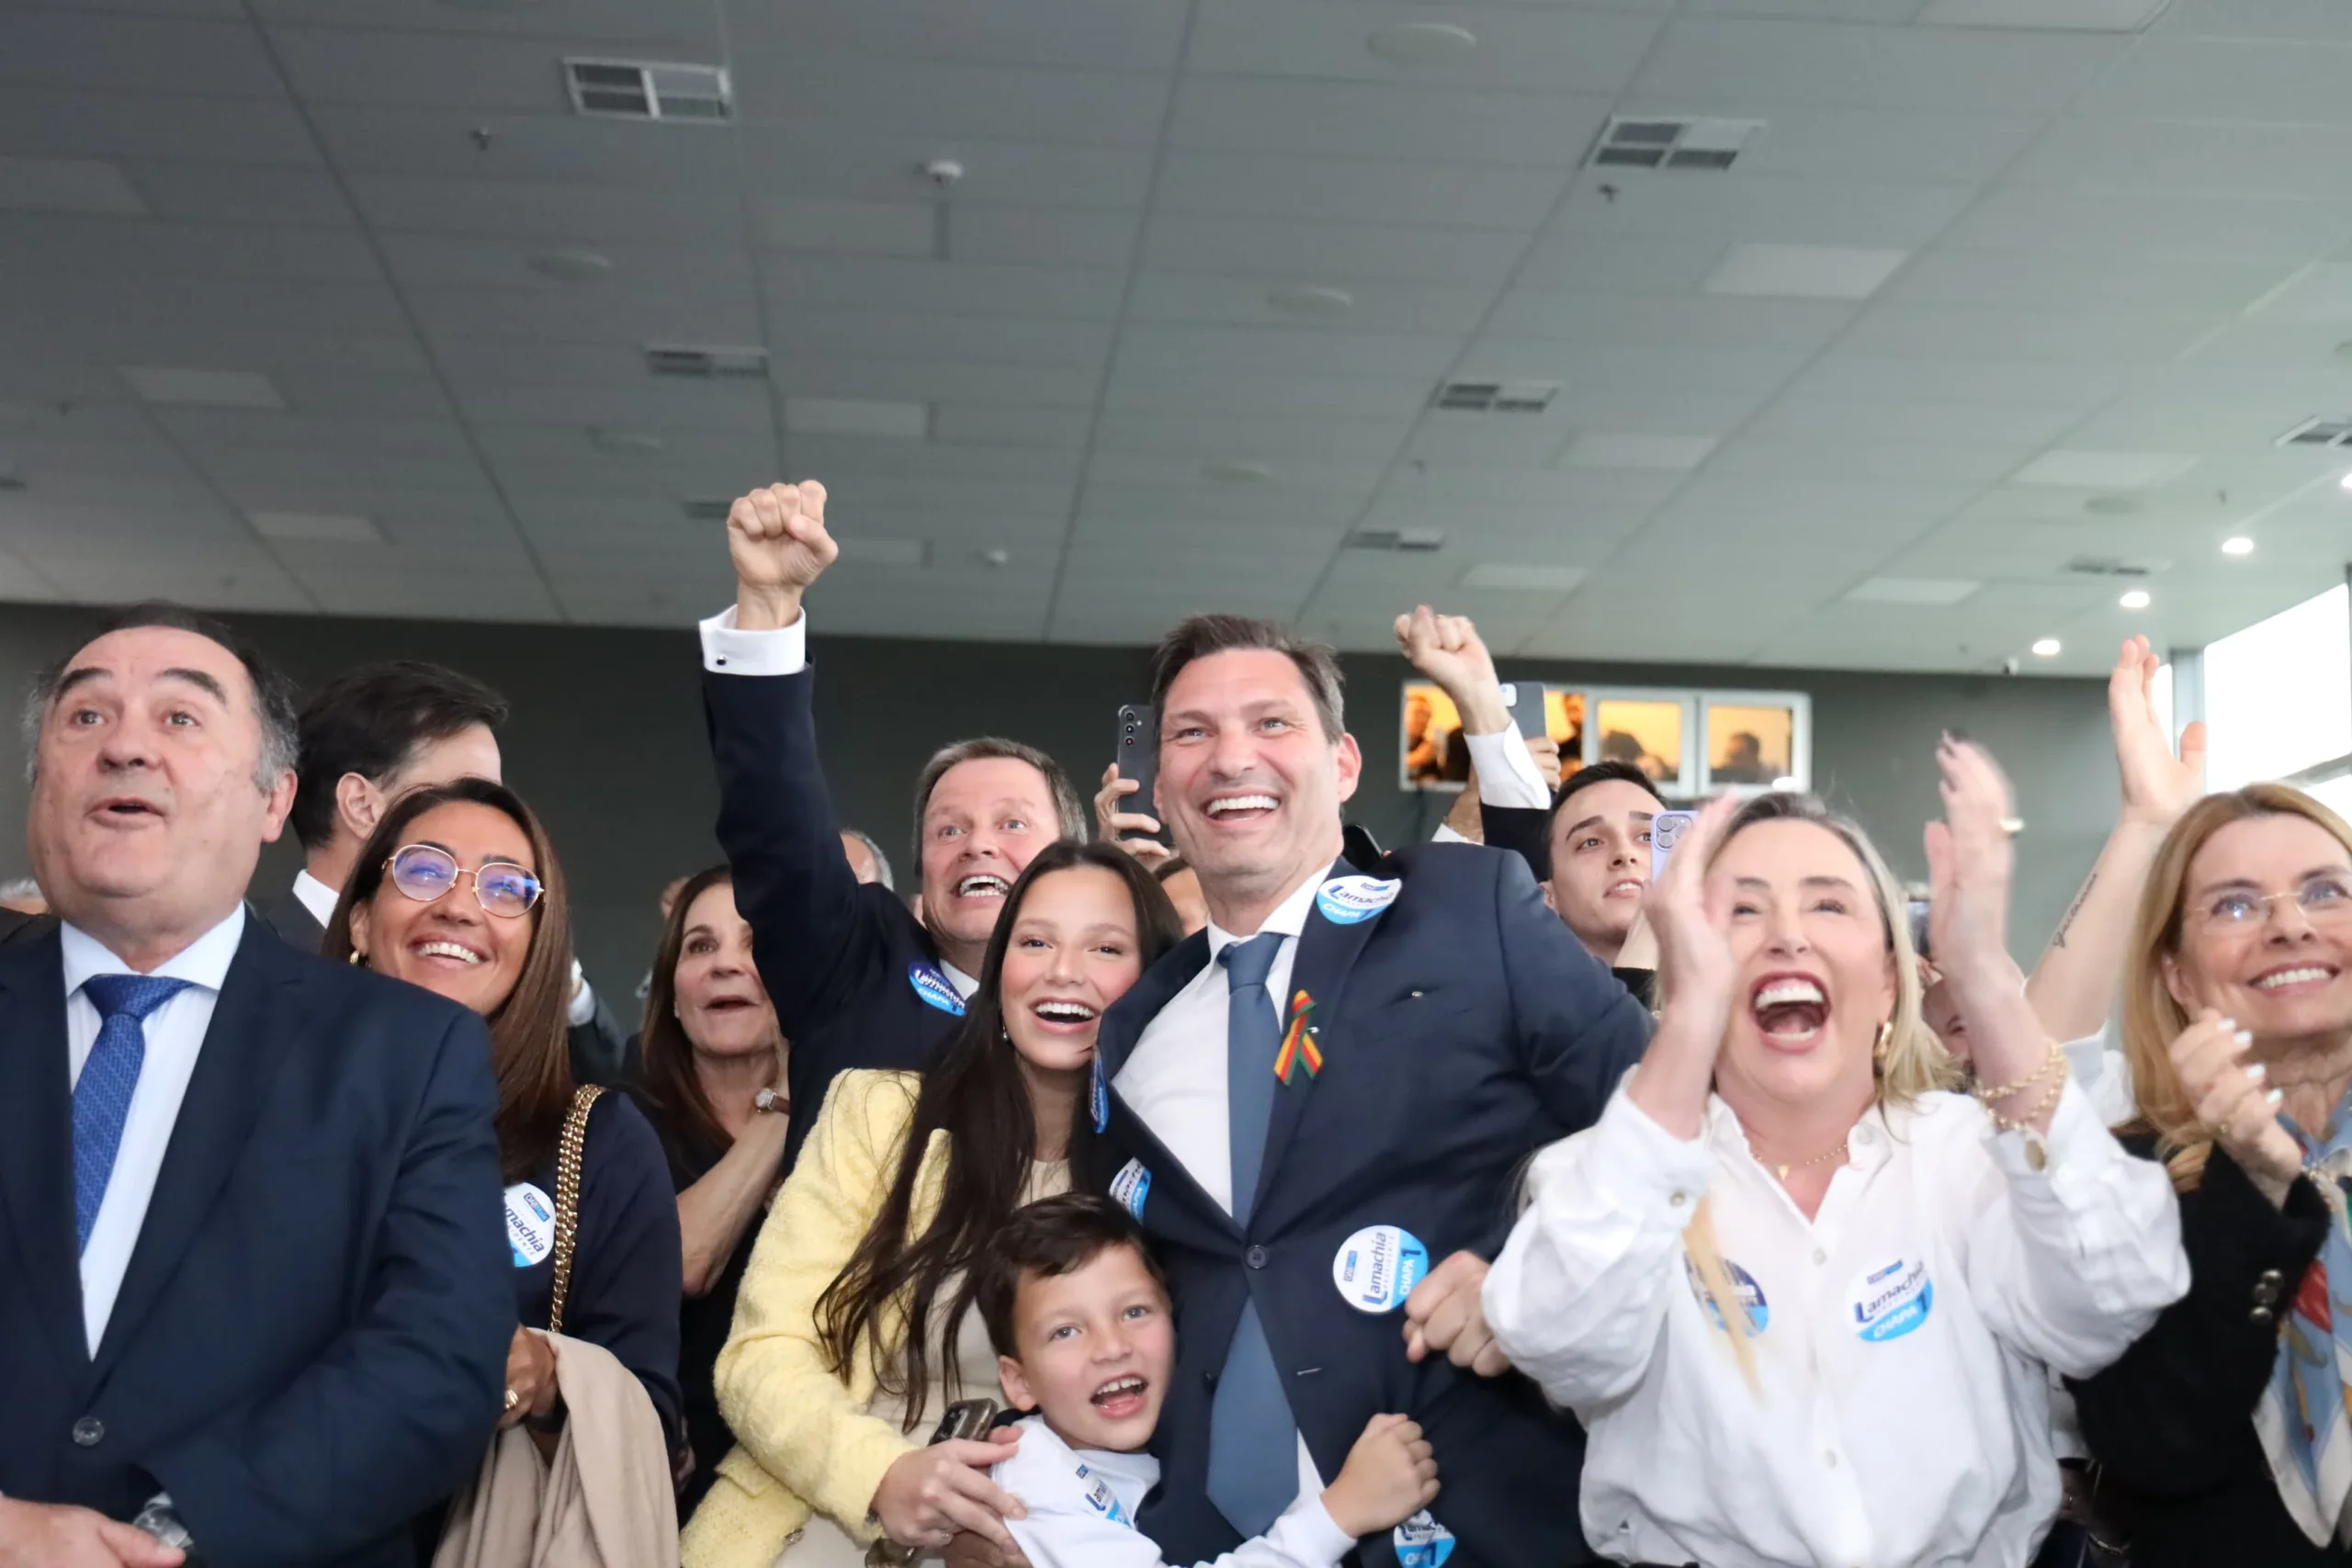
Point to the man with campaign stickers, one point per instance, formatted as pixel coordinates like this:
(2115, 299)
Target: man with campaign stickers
(858, 979)
(1318, 1108)
(1809, 1298)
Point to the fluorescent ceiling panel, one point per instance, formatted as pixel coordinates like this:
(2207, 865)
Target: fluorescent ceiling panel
(1914, 591)
(1805, 272)
(319, 527)
(2050, 15)
(66, 185)
(1663, 453)
(856, 416)
(1511, 578)
(2105, 470)
(204, 388)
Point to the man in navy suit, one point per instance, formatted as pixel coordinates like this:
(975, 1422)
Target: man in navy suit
(1325, 1094)
(254, 1292)
(857, 980)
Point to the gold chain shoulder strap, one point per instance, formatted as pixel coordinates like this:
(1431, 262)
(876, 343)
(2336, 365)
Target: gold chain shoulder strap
(567, 1195)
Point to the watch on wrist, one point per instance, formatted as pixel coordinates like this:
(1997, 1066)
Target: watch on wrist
(770, 1101)
(161, 1520)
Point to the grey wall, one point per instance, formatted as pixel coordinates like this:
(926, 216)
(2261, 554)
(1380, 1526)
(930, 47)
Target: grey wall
(607, 742)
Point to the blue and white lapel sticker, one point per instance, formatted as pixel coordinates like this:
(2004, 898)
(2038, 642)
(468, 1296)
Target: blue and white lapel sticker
(530, 1224)
(1377, 1268)
(1131, 1187)
(1757, 1310)
(1889, 1302)
(1345, 900)
(935, 990)
(1100, 1498)
(1421, 1542)
(1101, 1096)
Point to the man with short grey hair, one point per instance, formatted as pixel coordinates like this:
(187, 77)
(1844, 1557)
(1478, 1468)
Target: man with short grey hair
(255, 1293)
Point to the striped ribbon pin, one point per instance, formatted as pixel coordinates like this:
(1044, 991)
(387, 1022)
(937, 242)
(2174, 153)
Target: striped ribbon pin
(1298, 1042)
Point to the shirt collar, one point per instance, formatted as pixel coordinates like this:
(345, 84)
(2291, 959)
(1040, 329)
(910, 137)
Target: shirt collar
(965, 985)
(316, 897)
(1289, 917)
(204, 962)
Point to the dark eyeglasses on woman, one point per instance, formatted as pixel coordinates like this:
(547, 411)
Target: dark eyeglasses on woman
(425, 872)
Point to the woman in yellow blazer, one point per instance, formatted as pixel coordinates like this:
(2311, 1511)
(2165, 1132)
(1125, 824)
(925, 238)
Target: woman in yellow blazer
(904, 1178)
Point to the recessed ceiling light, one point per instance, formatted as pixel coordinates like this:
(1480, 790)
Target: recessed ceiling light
(626, 443)
(1422, 43)
(2048, 648)
(1237, 473)
(2346, 482)
(2113, 505)
(1313, 301)
(999, 556)
(2134, 599)
(1805, 272)
(2239, 545)
(2105, 470)
(1657, 454)
(570, 267)
(2057, 16)
(203, 389)
(1914, 591)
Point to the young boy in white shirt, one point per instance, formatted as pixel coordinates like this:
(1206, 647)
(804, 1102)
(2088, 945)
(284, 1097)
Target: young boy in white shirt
(1079, 1315)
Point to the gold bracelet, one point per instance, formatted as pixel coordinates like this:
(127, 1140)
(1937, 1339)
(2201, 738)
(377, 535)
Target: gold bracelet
(1988, 1095)
(2042, 1107)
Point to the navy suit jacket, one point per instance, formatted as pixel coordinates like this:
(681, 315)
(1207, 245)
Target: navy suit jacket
(854, 976)
(1461, 1029)
(310, 1342)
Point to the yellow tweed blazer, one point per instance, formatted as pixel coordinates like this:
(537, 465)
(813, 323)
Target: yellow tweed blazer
(803, 1439)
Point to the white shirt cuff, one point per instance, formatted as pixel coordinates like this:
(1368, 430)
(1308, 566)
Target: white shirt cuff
(726, 651)
(1646, 1169)
(1507, 774)
(1307, 1532)
(584, 999)
(1446, 835)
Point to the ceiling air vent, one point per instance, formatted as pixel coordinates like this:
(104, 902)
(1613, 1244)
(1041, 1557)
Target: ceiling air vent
(1495, 397)
(623, 89)
(2319, 432)
(704, 364)
(2111, 566)
(1645, 143)
(1405, 541)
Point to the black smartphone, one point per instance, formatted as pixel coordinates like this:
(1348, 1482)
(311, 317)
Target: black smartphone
(1139, 758)
(1526, 700)
(968, 1421)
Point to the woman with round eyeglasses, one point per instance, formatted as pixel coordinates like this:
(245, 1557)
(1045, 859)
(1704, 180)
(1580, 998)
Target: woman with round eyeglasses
(2223, 1435)
(458, 891)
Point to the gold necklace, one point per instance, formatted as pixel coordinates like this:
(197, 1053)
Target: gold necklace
(1839, 1153)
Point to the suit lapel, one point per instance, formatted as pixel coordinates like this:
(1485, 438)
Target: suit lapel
(1328, 952)
(36, 1139)
(1124, 1025)
(235, 1073)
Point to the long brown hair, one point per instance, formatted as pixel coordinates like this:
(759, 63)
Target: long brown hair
(529, 1038)
(2152, 1019)
(671, 1089)
(975, 1093)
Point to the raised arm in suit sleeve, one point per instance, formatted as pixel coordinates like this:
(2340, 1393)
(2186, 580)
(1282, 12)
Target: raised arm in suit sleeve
(1579, 1030)
(399, 1409)
(787, 1404)
(2171, 1416)
(628, 1277)
(816, 940)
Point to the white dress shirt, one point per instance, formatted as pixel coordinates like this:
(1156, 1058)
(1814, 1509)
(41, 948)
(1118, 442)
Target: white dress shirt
(316, 897)
(175, 1037)
(1175, 1080)
(1507, 776)
(1907, 1332)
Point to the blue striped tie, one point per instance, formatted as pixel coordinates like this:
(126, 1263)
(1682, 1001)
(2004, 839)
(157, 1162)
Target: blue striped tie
(102, 1094)
(1253, 1439)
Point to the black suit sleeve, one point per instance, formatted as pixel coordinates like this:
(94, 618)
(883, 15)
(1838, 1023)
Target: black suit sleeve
(2172, 1416)
(1577, 1029)
(816, 941)
(629, 1268)
(1520, 828)
(399, 1409)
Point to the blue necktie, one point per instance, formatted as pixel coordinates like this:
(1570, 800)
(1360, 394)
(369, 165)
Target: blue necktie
(1253, 1440)
(102, 1094)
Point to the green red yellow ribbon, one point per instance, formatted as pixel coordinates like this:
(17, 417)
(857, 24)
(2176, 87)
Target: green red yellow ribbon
(1298, 1042)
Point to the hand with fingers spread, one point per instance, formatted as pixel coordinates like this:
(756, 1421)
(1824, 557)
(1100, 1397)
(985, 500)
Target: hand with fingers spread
(1696, 977)
(1447, 649)
(2157, 785)
(1444, 1315)
(2236, 1106)
(1109, 822)
(930, 1494)
(1390, 1475)
(776, 537)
